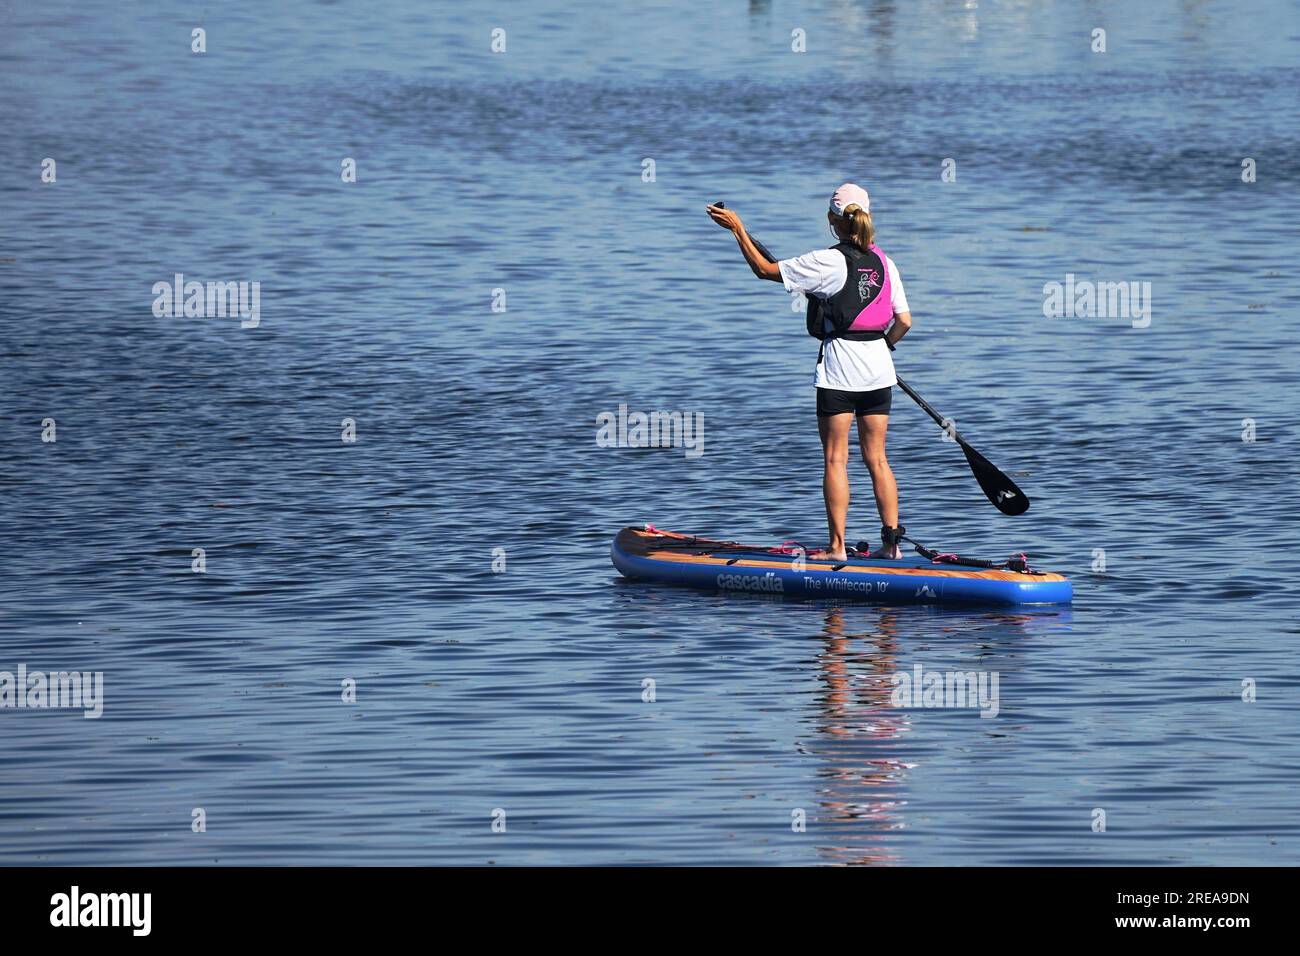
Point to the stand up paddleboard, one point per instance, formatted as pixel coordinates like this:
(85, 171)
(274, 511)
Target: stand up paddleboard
(665, 556)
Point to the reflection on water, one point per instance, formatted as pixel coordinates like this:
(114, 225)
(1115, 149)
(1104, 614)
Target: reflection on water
(861, 736)
(862, 778)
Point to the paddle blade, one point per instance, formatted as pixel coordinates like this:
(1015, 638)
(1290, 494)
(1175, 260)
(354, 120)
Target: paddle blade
(1005, 495)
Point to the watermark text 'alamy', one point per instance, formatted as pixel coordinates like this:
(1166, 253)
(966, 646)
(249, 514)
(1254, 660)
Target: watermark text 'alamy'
(651, 430)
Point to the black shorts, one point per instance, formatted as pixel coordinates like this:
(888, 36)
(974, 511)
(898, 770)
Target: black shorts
(833, 401)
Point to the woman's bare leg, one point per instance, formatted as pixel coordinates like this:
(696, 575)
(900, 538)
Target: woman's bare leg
(871, 439)
(834, 430)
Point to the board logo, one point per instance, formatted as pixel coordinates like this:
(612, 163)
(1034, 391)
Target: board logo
(746, 582)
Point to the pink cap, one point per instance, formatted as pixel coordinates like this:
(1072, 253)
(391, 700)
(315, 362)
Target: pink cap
(846, 196)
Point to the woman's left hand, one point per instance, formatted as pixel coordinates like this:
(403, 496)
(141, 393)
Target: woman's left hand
(724, 218)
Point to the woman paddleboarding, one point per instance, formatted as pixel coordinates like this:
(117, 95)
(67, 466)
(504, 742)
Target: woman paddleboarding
(858, 309)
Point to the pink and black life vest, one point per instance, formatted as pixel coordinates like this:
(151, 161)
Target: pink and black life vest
(862, 309)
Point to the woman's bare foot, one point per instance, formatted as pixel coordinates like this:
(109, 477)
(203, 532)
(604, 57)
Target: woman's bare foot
(825, 554)
(887, 552)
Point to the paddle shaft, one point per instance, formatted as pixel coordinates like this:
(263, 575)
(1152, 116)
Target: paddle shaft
(944, 423)
(925, 406)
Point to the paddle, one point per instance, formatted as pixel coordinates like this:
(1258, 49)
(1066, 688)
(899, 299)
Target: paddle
(1001, 491)
(1005, 495)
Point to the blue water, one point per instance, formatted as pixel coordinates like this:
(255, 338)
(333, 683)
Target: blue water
(521, 691)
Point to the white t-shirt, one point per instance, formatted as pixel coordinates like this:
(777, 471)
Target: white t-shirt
(846, 365)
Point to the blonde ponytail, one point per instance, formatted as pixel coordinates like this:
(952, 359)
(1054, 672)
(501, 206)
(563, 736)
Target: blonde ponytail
(861, 230)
